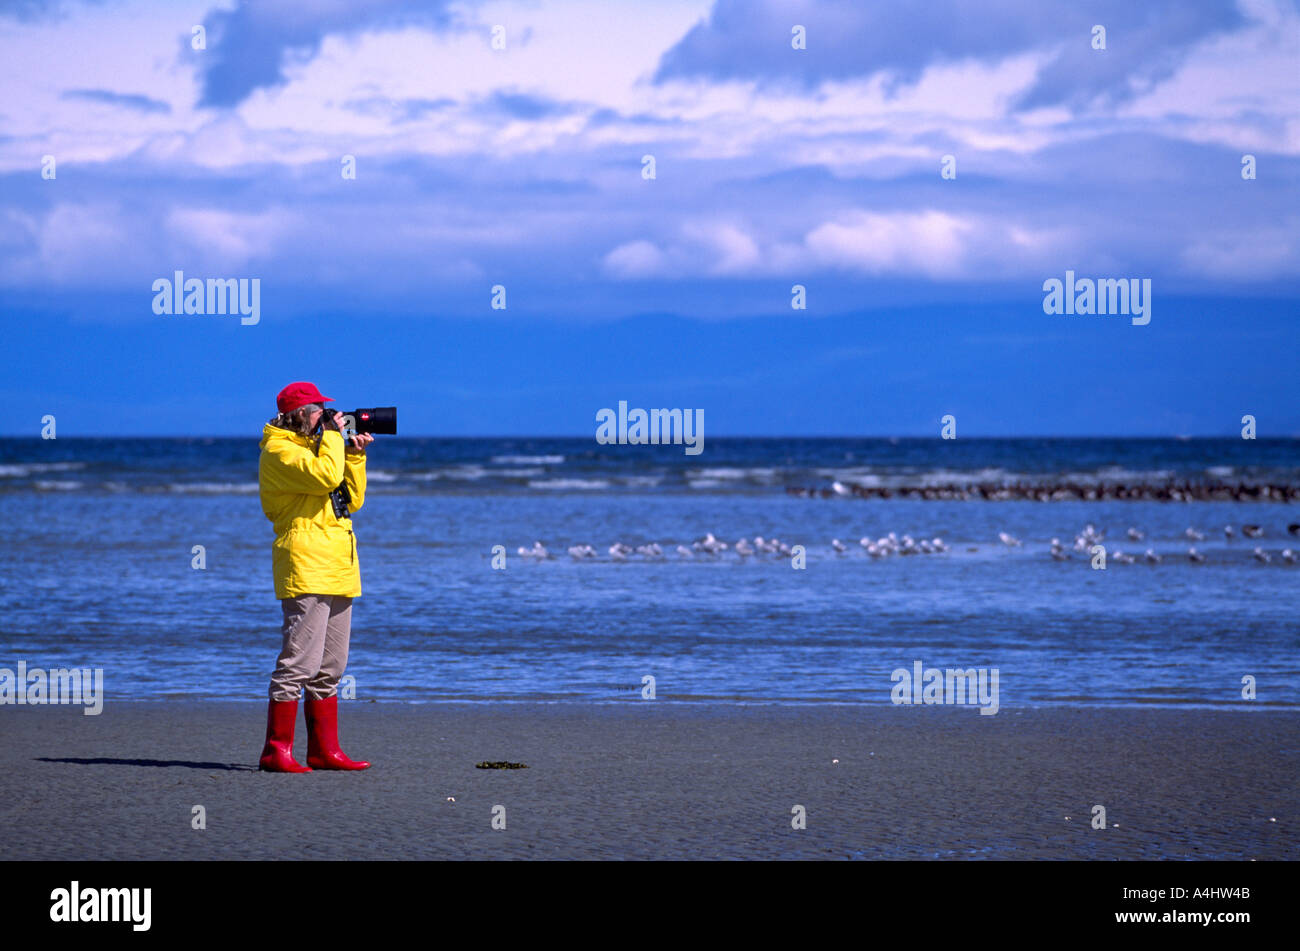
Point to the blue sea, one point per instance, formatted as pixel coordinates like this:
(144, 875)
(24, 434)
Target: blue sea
(96, 571)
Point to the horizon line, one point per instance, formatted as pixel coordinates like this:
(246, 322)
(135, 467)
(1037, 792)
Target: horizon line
(587, 436)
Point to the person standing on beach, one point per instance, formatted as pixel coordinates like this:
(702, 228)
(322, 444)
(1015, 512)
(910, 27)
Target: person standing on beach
(310, 481)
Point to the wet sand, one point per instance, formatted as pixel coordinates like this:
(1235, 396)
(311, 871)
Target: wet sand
(653, 779)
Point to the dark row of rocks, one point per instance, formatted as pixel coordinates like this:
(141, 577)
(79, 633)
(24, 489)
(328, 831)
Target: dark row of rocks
(1068, 491)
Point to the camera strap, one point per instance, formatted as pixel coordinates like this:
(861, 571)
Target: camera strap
(340, 498)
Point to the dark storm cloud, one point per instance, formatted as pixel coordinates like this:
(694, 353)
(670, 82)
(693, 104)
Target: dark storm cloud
(248, 47)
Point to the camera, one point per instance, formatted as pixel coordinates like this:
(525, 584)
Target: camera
(341, 498)
(381, 420)
(375, 419)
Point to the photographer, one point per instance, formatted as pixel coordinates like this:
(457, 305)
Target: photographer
(310, 481)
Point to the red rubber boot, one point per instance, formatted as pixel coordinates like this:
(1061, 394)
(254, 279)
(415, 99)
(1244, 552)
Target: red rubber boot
(323, 736)
(277, 754)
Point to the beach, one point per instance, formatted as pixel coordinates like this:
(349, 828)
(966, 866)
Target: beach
(654, 779)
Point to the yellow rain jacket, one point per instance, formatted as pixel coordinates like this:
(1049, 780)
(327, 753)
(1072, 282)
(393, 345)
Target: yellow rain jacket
(314, 551)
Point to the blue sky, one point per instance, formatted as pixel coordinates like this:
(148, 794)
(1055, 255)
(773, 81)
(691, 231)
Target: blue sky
(522, 167)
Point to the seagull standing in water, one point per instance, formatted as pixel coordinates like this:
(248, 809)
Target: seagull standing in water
(1193, 535)
(1252, 531)
(711, 545)
(1262, 556)
(1194, 556)
(1288, 556)
(1151, 557)
(1008, 540)
(838, 545)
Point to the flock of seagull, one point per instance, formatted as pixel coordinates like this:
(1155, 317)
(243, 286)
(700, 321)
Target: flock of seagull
(708, 545)
(893, 544)
(1090, 536)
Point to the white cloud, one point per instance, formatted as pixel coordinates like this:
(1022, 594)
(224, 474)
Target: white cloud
(930, 243)
(227, 239)
(1258, 255)
(635, 259)
(83, 241)
(730, 249)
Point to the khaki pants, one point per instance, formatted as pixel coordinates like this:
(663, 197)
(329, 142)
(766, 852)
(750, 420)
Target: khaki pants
(315, 651)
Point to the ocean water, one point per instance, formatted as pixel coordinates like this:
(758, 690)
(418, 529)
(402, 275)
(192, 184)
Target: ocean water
(95, 571)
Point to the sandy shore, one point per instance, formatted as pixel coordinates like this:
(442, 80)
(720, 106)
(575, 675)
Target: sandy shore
(649, 779)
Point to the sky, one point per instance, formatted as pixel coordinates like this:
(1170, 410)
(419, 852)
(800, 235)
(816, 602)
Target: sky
(502, 154)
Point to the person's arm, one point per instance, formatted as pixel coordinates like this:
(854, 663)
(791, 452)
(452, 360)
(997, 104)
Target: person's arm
(355, 479)
(297, 469)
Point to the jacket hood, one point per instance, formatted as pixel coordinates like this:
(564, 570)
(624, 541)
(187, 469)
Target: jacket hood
(271, 431)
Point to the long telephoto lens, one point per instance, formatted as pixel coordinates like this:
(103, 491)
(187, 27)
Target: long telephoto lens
(377, 419)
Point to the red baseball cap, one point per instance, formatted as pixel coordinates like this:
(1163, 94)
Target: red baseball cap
(300, 394)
